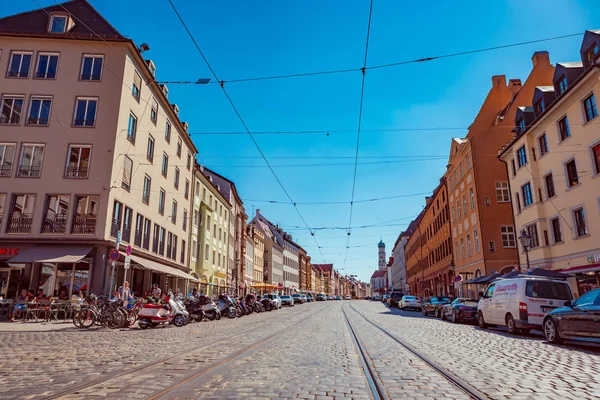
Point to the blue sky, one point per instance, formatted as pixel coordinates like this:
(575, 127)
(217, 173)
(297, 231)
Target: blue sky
(244, 39)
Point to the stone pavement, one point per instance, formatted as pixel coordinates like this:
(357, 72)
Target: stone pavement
(496, 363)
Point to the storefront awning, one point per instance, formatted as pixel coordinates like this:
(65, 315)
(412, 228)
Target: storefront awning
(582, 269)
(164, 269)
(51, 254)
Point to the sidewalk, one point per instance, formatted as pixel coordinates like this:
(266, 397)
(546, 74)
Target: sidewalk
(35, 326)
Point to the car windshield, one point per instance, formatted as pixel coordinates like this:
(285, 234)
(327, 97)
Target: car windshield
(548, 290)
(409, 298)
(296, 295)
(396, 296)
(285, 297)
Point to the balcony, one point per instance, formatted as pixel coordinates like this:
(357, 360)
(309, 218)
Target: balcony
(5, 170)
(137, 240)
(115, 227)
(56, 224)
(84, 225)
(20, 223)
(29, 172)
(76, 173)
(146, 241)
(126, 233)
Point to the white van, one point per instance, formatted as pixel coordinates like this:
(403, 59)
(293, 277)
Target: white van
(521, 303)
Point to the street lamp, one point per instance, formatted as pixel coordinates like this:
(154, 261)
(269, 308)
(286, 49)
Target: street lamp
(525, 240)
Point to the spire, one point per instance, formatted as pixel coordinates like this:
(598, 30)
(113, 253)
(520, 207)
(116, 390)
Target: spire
(381, 244)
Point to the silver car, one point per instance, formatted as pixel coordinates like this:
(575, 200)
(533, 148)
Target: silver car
(275, 298)
(287, 301)
(409, 302)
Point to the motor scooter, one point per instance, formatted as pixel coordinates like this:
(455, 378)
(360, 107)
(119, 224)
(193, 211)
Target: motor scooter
(226, 306)
(152, 315)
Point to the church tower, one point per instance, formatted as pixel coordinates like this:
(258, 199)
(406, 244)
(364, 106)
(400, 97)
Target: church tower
(382, 262)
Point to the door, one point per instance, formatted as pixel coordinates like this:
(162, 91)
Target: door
(575, 321)
(486, 304)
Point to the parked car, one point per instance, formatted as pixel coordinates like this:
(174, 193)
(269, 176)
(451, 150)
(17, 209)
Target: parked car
(460, 310)
(348, 297)
(394, 299)
(580, 319)
(298, 298)
(434, 306)
(287, 301)
(321, 297)
(367, 297)
(385, 298)
(274, 297)
(331, 297)
(410, 302)
(338, 297)
(309, 298)
(521, 303)
(377, 297)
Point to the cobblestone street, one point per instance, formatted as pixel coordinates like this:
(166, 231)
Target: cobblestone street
(302, 352)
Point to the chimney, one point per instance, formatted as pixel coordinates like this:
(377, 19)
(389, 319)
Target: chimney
(540, 57)
(258, 212)
(514, 86)
(498, 81)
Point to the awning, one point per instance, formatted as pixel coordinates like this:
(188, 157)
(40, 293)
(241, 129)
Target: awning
(164, 269)
(51, 254)
(581, 269)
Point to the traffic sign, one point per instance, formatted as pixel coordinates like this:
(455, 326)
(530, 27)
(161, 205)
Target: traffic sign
(128, 250)
(114, 254)
(127, 262)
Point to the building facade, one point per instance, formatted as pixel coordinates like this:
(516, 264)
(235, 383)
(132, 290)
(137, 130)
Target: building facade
(249, 263)
(291, 264)
(273, 253)
(93, 157)
(259, 252)
(398, 275)
(554, 165)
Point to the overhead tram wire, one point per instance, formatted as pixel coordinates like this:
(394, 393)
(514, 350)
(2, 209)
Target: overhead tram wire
(381, 66)
(222, 85)
(360, 112)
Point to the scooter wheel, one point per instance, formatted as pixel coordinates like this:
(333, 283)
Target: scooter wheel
(179, 321)
(143, 326)
(218, 316)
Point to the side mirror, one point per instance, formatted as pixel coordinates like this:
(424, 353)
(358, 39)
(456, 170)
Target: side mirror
(481, 294)
(568, 303)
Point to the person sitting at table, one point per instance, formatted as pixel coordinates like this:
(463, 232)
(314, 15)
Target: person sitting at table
(40, 294)
(19, 308)
(63, 295)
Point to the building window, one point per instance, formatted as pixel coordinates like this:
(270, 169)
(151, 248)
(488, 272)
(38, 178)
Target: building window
(127, 219)
(132, 127)
(55, 214)
(518, 202)
(580, 224)
(521, 125)
(179, 145)
(86, 213)
(127, 171)
(78, 163)
(169, 244)
(514, 169)
(527, 194)
(174, 212)
(139, 230)
(168, 132)
(196, 215)
(572, 178)
(176, 178)
(154, 111)
(206, 252)
(472, 198)
(455, 177)
(146, 235)
(462, 172)
(492, 246)
(30, 164)
(539, 107)
(590, 53)
(596, 156)
(468, 245)
(189, 161)
(21, 214)
(453, 214)
(468, 162)
(185, 215)
(476, 237)
(182, 258)
(462, 248)
(208, 223)
(47, 65)
(458, 211)
(502, 192)
(589, 105)
(12, 108)
(186, 192)
(194, 250)
(91, 67)
(161, 240)
(146, 190)
(563, 129)
(19, 64)
(543, 143)
(562, 85)
(85, 112)
(7, 155)
(464, 200)
(533, 234)
(39, 111)
(549, 180)
(136, 88)
(508, 236)
(556, 231)
(150, 149)
(165, 165)
(522, 156)
(117, 219)
(58, 24)
(155, 238)
(161, 202)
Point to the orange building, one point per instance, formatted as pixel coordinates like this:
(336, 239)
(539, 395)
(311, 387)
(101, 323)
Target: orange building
(429, 263)
(483, 232)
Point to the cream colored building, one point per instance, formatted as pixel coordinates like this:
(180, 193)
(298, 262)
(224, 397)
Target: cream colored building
(210, 234)
(259, 258)
(553, 165)
(91, 149)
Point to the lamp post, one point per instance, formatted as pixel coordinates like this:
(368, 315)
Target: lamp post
(525, 240)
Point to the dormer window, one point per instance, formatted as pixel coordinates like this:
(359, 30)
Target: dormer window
(521, 125)
(591, 54)
(539, 108)
(58, 23)
(165, 90)
(562, 85)
(151, 67)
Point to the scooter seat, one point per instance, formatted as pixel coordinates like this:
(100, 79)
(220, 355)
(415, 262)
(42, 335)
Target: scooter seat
(153, 306)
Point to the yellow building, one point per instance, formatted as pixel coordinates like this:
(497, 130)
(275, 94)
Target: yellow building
(259, 257)
(553, 164)
(209, 234)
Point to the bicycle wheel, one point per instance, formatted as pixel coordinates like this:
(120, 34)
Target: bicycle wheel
(76, 319)
(114, 319)
(87, 318)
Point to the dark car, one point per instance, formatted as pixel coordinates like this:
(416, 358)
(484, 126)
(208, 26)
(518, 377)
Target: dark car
(310, 298)
(385, 298)
(377, 298)
(394, 300)
(298, 299)
(580, 319)
(321, 297)
(460, 310)
(434, 306)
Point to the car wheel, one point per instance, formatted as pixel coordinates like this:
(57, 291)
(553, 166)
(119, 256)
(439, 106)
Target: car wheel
(443, 315)
(510, 324)
(454, 317)
(551, 331)
(481, 320)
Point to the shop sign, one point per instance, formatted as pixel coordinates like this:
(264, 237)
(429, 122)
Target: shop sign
(9, 251)
(592, 259)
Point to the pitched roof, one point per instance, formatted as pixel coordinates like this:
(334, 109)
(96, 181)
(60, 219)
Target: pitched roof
(89, 23)
(324, 267)
(571, 64)
(378, 274)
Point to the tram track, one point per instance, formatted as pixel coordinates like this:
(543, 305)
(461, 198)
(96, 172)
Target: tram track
(79, 388)
(377, 387)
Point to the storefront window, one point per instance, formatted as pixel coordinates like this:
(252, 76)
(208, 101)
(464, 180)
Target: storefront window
(587, 282)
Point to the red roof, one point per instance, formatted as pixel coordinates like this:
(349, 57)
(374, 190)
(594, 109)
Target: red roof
(378, 274)
(324, 267)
